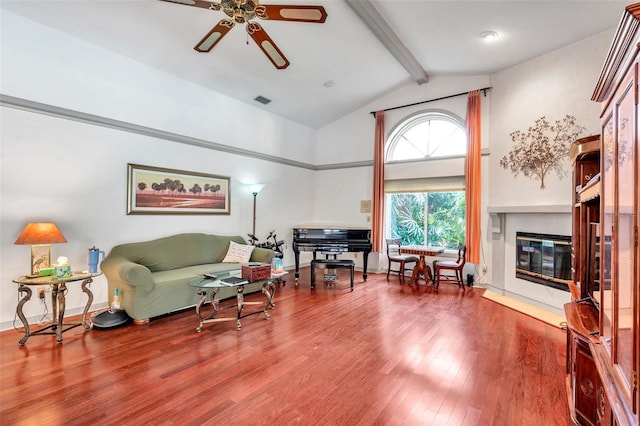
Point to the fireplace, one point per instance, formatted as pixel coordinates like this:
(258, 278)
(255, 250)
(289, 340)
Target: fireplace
(544, 259)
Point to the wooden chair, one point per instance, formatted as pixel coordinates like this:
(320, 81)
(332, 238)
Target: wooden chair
(394, 256)
(456, 267)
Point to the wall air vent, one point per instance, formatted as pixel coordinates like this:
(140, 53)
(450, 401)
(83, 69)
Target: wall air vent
(262, 99)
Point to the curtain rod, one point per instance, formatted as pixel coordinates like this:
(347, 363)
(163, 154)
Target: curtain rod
(483, 90)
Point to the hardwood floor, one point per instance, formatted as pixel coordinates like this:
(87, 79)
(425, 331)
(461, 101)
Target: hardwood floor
(385, 354)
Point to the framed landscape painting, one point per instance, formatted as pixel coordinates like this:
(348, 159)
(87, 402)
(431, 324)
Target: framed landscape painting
(154, 190)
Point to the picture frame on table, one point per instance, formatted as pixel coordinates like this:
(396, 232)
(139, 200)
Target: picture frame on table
(157, 190)
(40, 258)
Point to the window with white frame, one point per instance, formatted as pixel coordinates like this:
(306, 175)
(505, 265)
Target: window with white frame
(428, 135)
(427, 210)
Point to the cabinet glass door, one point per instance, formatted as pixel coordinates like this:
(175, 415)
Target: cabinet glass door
(625, 224)
(606, 240)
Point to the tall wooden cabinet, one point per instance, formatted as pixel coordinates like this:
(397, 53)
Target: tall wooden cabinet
(583, 381)
(585, 156)
(610, 295)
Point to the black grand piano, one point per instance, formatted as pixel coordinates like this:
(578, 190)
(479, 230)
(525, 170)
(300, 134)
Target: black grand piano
(331, 240)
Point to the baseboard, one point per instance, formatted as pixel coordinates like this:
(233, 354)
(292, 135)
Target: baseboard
(533, 302)
(527, 309)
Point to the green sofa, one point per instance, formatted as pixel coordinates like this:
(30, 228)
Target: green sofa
(152, 276)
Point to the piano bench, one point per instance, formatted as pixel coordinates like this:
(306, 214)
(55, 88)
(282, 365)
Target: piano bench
(331, 264)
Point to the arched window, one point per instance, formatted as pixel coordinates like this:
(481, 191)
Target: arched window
(427, 135)
(426, 209)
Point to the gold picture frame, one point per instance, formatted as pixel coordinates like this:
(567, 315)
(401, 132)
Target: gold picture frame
(40, 258)
(156, 190)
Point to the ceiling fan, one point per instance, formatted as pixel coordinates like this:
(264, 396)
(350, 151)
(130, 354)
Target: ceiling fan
(243, 11)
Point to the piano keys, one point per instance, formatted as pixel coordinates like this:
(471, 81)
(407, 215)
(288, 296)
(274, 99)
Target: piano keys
(332, 240)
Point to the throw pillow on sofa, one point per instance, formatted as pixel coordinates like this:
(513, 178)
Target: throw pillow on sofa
(238, 253)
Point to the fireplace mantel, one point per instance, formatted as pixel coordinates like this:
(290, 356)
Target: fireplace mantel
(496, 213)
(552, 208)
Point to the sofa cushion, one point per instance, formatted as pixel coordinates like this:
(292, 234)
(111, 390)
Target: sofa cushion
(184, 275)
(238, 253)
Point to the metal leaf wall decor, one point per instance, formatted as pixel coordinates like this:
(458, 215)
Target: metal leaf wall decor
(541, 148)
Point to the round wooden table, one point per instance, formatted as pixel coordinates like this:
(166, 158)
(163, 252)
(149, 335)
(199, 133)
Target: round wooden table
(421, 268)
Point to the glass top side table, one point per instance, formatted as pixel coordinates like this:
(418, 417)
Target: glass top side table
(204, 284)
(58, 290)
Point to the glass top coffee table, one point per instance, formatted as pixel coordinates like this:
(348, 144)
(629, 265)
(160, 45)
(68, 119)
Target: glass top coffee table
(208, 288)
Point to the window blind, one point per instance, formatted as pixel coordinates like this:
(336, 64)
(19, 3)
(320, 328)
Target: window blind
(433, 184)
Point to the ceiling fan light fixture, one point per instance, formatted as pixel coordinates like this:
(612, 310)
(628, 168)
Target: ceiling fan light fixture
(262, 100)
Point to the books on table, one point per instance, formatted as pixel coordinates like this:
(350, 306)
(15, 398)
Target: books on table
(233, 281)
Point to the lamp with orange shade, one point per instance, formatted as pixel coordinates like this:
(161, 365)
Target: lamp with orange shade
(40, 235)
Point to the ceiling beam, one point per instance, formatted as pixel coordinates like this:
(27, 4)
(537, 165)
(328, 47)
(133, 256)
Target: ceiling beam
(379, 27)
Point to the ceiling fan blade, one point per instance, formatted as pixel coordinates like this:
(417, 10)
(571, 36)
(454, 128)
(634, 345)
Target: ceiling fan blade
(214, 36)
(284, 12)
(197, 3)
(267, 45)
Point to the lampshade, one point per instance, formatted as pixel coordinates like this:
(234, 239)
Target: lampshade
(41, 233)
(255, 188)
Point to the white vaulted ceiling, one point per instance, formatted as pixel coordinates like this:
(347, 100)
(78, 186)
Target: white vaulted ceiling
(442, 36)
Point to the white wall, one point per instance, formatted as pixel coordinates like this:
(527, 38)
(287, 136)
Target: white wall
(552, 85)
(45, 65)
(351, 137)
(75, 174)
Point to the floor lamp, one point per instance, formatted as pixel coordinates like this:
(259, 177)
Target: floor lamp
(255, 189)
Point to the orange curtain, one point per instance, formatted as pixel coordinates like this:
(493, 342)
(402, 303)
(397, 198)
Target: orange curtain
(377, 214)
(473, 177)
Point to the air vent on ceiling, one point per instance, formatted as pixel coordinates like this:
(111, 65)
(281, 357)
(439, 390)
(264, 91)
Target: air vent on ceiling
(262, 100)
